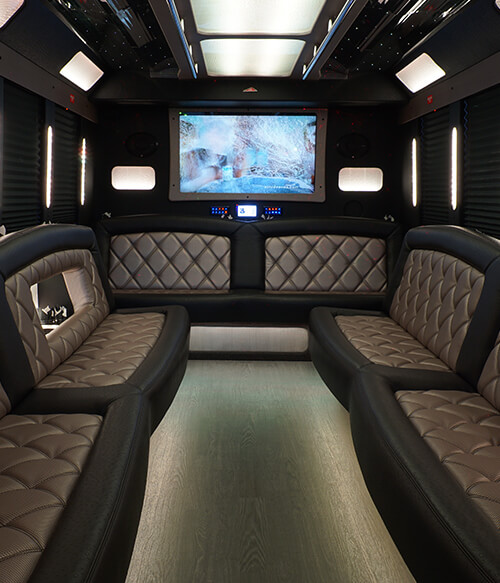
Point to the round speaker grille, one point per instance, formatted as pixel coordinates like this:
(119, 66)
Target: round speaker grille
(353, 146)
(141, 144)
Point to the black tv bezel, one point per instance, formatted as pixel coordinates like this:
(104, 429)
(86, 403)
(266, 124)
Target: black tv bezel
(319, 194)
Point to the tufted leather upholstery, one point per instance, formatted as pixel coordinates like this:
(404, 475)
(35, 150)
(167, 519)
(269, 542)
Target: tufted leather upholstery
(169, 261)
(463, 430)
(489, 381)
(325, 263)
(111, 354)
(90, 306)
(41, 459)
(435, 301)
(5, 405)
(382, 341)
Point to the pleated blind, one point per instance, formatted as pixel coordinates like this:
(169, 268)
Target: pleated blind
(21, 189)
(481, 205)
(66, 166)
(435, 167)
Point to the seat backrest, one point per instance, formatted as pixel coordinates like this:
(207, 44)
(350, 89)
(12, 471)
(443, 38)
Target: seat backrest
(435, 301)
(489, 381)
(44, 252)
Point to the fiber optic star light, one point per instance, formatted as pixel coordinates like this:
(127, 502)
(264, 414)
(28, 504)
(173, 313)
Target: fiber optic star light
(7, 10)
(266, 17)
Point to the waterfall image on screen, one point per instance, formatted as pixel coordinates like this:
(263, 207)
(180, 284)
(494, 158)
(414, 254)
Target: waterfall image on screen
(247, 153)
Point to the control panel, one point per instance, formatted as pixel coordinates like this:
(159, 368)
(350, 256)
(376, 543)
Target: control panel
(246, 211)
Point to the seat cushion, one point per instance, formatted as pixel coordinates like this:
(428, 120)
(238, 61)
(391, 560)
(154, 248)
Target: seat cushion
(463, 430)
(111, 354)
(440, 530)
(382, 341)
(41, 459)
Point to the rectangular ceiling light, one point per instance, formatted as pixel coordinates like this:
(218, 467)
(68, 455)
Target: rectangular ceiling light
(231, 57)
(7, 10)
(266, 17)
(81, 71)
(419, 73)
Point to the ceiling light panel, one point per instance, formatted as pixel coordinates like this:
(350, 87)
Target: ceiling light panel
(7, 10)
(251, 57)
(81, 71)
(266, 17)
(421, 72)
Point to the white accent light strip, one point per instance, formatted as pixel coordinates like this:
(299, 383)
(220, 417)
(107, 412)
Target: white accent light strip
(180, 29)
(7, 10)
(419, 73)
(361, 179)
(48, 168)
(414, 173)
(133, 178)
(83, 168)
(81, 71)
(454, 169)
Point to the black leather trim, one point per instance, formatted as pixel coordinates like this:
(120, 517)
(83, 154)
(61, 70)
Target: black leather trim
(328, 226)
(161, 372)
(474, 248)
(94, 539)
(438, 530)
(483, 329)
(248, 305)
(16, 376)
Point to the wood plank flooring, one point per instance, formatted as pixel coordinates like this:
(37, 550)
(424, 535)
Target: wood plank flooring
(253, 479)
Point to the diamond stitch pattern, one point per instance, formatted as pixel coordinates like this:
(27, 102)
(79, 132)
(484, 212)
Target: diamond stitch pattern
(87, 295)
(168, 261)
(111, 354)
(489, 381)
(382, 341)
(325, 263)
(41, 458)
(463, 430)
(435, 301)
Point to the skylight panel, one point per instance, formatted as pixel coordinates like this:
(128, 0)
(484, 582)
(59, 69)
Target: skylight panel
(81, 71)
(7, 10)
(251, 57)
(419, 73)
(267, 17)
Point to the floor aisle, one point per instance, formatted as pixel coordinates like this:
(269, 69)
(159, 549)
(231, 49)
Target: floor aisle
(253, 479)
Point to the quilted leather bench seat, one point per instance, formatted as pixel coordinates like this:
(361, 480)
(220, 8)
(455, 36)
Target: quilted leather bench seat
(265, 271)
(431, 460)
(441, 316)
(73, 468)
(95, 347)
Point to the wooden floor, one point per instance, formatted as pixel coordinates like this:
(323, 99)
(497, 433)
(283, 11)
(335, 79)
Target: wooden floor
(253, 478)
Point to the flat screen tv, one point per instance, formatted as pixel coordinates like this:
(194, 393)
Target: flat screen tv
(256, 155)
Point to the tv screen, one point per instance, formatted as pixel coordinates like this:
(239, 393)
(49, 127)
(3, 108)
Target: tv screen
(261, 156)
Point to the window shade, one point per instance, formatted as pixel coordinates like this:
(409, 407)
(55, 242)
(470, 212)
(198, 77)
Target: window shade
(435, 167)
(482, 162)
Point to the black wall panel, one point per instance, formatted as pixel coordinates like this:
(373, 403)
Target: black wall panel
(117, 123)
